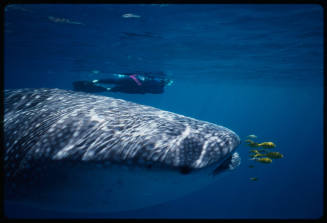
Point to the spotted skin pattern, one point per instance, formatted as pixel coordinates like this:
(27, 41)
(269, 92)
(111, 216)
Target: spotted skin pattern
(46, 125)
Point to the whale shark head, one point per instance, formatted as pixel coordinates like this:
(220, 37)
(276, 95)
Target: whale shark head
(81, 152)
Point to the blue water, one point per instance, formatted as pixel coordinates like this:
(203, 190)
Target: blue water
(256, 69)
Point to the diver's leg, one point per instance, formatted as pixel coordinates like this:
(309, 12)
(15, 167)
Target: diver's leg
(117, 88)
(126, 89)
(114, 79)
(87, 86)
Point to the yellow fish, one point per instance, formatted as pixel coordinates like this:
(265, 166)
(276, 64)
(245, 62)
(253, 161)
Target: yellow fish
(267, 145)
(251, 143)
(253, 178)
(264, 160)
(274, 155)
(256, 155)
(248, 141)
(254, 144)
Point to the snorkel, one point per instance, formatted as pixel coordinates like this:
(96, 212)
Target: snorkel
(169, 82)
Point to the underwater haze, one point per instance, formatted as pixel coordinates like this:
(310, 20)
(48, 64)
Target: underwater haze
(255, 69)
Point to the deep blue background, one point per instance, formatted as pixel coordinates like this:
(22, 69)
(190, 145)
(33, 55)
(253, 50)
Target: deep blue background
(256, 69)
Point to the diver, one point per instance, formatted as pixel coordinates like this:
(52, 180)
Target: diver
(132, 83)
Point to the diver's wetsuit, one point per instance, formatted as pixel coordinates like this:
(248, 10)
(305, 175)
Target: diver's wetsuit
(127, 83)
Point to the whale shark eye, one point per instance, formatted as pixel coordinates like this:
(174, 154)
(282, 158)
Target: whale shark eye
(185, 170)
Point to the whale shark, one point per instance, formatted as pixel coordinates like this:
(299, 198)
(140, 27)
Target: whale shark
(79, 152)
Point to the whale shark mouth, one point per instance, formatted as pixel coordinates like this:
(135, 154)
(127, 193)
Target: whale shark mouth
(230, 162)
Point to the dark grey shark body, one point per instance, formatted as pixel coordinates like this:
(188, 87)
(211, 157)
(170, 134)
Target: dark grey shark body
(55, 138)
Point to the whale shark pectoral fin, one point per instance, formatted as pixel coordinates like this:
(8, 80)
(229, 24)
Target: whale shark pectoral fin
(229, 164)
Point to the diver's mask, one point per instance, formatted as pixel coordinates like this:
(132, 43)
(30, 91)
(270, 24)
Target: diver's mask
(120, 75)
